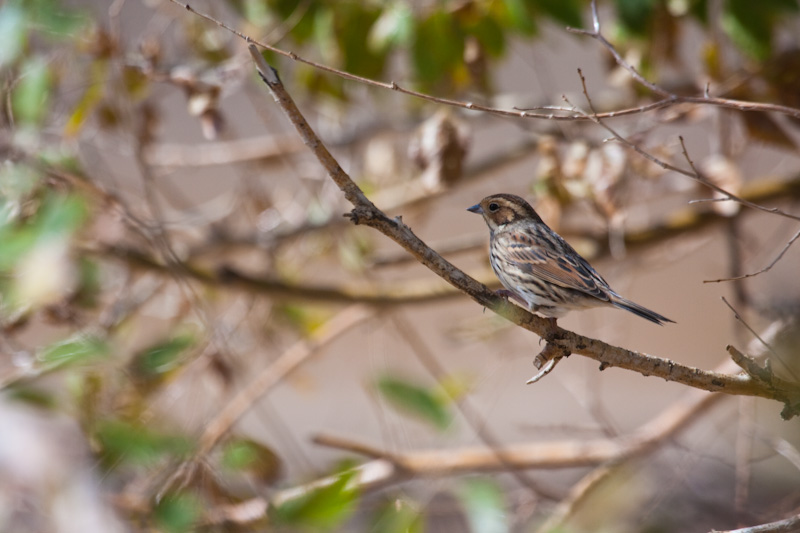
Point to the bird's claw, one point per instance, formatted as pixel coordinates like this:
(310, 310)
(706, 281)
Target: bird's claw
(510, 295)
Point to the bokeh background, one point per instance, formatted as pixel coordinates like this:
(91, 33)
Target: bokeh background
(195, 338)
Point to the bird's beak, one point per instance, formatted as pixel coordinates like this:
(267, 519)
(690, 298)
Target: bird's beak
(476, 209)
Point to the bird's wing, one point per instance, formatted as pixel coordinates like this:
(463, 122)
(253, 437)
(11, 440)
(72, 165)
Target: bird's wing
(550, 258)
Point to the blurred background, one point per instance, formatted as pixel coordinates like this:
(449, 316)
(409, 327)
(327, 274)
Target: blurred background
(194, 338)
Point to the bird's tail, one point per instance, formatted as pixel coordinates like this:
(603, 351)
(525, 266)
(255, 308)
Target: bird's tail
(637, 309)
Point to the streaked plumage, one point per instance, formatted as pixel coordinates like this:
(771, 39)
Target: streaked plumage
(540, 268)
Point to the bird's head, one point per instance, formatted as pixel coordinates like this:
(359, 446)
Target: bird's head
(501, 209)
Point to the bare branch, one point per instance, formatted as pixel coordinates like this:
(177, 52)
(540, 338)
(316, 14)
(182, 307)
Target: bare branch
(766, 268)
(392, 86)
(388, 468)
(693, 174)
(405, 293)
(543, 455)
(788, 525)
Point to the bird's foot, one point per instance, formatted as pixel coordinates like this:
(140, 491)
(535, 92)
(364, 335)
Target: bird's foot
(510, 295)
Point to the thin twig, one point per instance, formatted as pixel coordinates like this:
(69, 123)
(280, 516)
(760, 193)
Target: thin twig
(764, 343)
(787, 525)
(668, 96)
(766, 268)
(671, 99)
(739, 318)
(693, 174)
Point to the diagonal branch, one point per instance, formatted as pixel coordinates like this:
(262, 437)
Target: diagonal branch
(365, 212)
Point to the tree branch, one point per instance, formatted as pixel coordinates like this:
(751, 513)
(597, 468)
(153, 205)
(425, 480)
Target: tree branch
(365, 212)
(787, 525)
(407, 293)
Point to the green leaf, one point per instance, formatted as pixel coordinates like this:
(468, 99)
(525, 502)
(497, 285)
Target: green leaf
(398, 517)
(81, 349)
(177, 513)
(13, 245)
(520, 17)
(287, 9)
(62, 215)
(490, 34)
(325, 36)
(699, 10)
(325, 507)
(750, 24)
(394, 27)
(306, 318)
(415, 400)
(17, 181)
(160, 359)
(62, 158)
(123, 441)
(58, 217)
(91, 98)
(89, 286)
(13, 33)
(635, 15)
(32, 396)
(256, 12)
(50, 17)
(250, 456)
(30, 99)
(484, 505)
(565, 11)
(438, 47)
(354, 22)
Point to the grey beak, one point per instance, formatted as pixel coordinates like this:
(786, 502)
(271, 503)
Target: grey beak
(476, 209)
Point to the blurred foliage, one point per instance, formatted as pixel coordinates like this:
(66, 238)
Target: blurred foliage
(246, 455)
(433, 37)
(74, 351)
(177, 513)
(69, 79)
(124, 442)
(156, 363)
(428, 404)
(484, 505)
(398, 516)
(321, 508)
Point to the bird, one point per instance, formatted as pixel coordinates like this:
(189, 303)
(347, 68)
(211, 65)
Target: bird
(539, 269)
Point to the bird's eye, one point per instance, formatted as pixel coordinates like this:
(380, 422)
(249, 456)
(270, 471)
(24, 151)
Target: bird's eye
(493, 207)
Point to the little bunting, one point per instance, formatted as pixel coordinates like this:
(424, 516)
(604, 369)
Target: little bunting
(539, 268)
